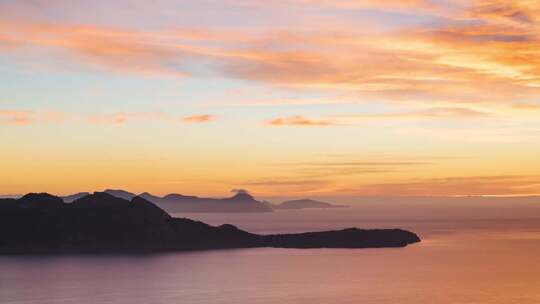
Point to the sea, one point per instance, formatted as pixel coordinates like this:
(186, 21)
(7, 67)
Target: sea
(467, 257)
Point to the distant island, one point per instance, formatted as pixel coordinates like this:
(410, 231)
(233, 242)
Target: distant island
(178, 203)
(242, 201)
(101, 222)
(305, 204)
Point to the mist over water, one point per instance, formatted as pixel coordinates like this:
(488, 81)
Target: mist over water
(463, 258)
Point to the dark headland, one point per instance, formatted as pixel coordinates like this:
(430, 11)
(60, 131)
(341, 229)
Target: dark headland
(100, 222)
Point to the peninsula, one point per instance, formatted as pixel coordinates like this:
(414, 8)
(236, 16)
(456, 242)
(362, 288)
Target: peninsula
(101, 222)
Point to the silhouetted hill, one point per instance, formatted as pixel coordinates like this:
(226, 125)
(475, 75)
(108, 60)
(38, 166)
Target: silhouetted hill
(178, 203)
(241, 202)
(73, 197)
(149, 197)
(101, 222)
(242, 196)
(121, 193)
(305, 204)
(40, 201)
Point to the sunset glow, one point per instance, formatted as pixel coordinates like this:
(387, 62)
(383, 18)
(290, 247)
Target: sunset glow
(289, 97)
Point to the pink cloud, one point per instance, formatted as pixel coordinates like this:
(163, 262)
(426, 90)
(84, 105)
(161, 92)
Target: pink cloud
(299, 121)
(9, 117)
(17, 117)
(199, 118)
(21, 117)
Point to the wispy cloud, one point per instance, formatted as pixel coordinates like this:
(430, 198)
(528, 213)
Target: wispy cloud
(291, 186)
(125, 117)
(352, 119)
(407, 6)
(199, 118)
(481, 53)
(18, 117)
(475, 185)
(333, 169)
(8, 117)
(526, 106)
(286, 182)
(326, 176)
(365, 164)
(300, 121)
(23, 117)
(432, 113)
(159, 50)
(109, 48)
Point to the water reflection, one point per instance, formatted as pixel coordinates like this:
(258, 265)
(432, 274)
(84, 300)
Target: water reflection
(459, 261)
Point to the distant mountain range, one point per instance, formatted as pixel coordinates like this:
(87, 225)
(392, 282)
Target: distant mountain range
(243, 202)
(74, 197)
(240, 202)
(100, 222)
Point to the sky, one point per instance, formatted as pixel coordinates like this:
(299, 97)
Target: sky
(283, 98)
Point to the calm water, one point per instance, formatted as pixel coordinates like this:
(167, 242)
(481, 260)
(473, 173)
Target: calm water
(468, 260)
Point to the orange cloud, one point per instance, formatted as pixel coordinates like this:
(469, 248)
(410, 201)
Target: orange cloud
(431, 113)
(476, 185)
(286, 183)
(125, 117)
(331, 170)
(116, 50)
(510, 12)
(526, 106)
(19, 117)
(9, 117)
(198, 118)
(352, 119)
(299, 121)
(383, 5)
(482, 53)
(326, 176)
